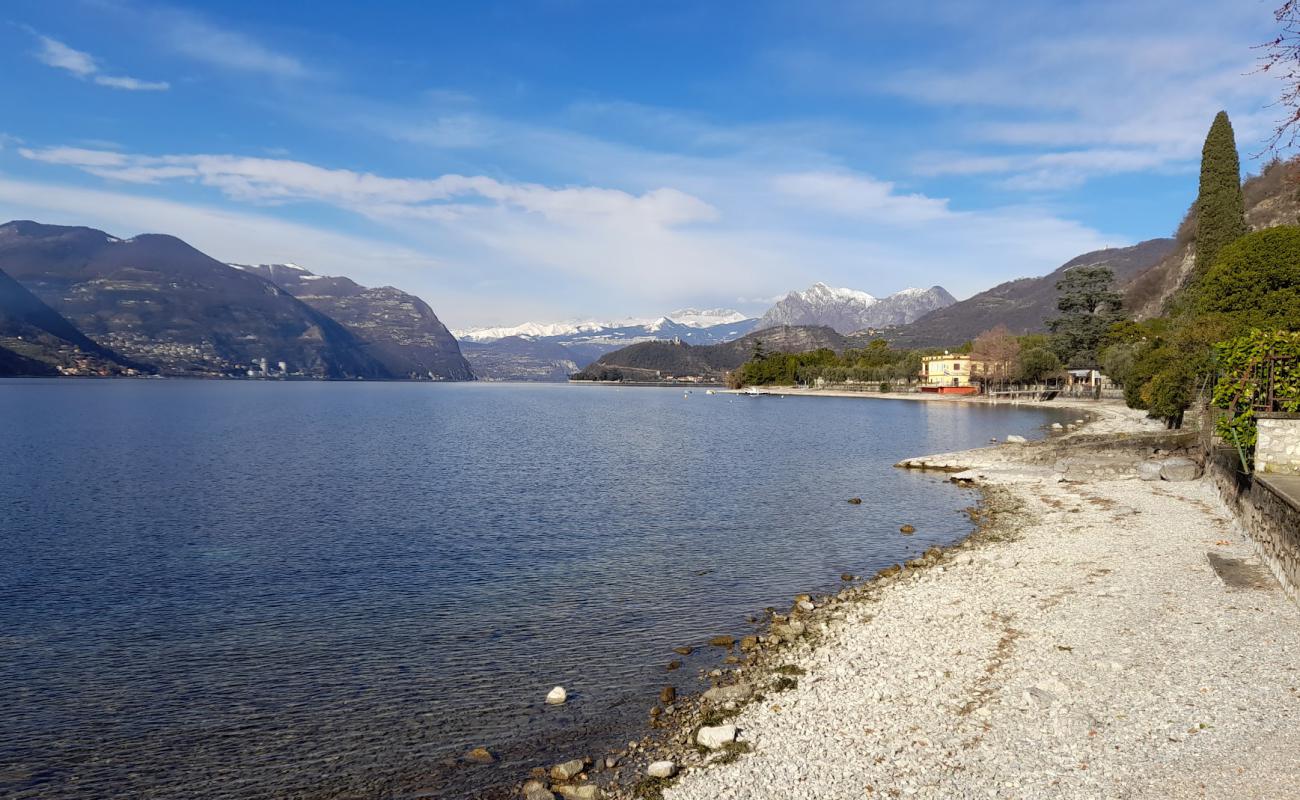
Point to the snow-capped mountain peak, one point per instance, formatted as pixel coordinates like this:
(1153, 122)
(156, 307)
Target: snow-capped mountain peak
(850, 310)
(705, 318)
(621, 328)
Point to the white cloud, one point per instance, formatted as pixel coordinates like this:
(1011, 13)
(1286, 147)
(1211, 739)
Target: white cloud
(131, 84)
(204, 41)
(860, 196)
(444, 197)
(83, 65)
(58, 55)
(1047, 97)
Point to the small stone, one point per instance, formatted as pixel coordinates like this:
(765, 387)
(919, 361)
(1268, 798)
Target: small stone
(661, 769)
(672, 665)
(805, 606)
(584, 792)
(748, 643)
(846, 577)
(855, 501)
(907, 529)
(567, 770)
(684, 650)
(723, 641)
(480, 755)
(716, 737)
(667, 695)
(1013, 438)
(556, 696)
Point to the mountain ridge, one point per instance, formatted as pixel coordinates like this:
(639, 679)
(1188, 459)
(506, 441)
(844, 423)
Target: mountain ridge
(851, 310)
(397, 329)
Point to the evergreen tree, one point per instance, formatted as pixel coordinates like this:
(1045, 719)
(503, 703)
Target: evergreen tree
(1089, 306)
(1220, 212)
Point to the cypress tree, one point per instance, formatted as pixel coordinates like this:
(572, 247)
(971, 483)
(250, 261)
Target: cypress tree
(1220, 212)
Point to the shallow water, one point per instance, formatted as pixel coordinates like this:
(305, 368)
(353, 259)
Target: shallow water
(247, 590)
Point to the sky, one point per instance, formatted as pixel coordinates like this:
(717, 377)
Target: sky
(541, 160)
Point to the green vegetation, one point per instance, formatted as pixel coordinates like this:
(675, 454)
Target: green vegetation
(1244, 364)
(1242, 281)
(1089, 306)
(1037, 365)
(1254, 283)
(875, 363)
(1220, 210)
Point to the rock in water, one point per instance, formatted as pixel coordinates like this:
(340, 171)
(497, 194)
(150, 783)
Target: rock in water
(661, 769)
(584, 792)
(684, 650)
(1179, 469)
(667, 695)
(856, 501)
(907, 529)
(480, 755)
(723, 641)
(1014, 439)
(716, 737)
(556, 696)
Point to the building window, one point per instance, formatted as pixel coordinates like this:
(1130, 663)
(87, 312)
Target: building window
(956, 367)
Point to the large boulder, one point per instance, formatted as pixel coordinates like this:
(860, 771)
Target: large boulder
(1179, 469)
(1149, 470)
(716, 737)
(737, 692)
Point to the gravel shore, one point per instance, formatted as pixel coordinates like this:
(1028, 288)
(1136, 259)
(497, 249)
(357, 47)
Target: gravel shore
(1087, 647)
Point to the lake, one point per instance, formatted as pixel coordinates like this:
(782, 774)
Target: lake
(325, 590)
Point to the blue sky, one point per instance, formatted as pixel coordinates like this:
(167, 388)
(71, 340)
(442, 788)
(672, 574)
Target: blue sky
(556, 159)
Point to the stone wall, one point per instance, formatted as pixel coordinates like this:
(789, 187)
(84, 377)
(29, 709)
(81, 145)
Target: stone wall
(1264, 513)
(1277, 449)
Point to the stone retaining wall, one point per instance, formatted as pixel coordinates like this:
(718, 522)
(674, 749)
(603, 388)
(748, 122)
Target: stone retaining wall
(1277, 449)
(1264, 514)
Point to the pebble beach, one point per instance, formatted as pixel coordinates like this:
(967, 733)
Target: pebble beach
(1087, 642)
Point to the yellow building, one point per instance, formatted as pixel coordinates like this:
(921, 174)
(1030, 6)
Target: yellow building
(949, 374)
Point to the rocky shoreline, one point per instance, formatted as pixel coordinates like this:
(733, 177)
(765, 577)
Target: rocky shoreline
(887, 686)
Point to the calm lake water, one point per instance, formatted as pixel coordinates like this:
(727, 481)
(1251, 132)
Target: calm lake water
(255, 590)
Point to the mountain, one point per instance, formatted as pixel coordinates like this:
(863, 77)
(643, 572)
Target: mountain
(155, 299)
(1023, 305)
(37, 340)
(659, 360)
(527, 351)
(849, 310)
(397, 329)
(518, 358)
